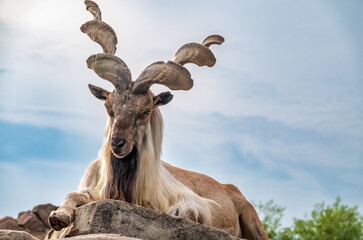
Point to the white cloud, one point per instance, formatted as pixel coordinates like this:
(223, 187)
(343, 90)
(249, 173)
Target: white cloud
(298, 73)
(266, 160)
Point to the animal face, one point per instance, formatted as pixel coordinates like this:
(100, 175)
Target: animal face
(131, 104)
(129, 116)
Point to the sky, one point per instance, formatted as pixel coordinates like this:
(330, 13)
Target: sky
(280, 115)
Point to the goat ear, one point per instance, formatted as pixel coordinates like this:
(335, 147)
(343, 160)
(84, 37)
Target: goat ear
(162, 99)
(98, 92)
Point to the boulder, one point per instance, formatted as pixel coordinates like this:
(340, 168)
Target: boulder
(34, 222)
(29, 220)
(15, 235)
(124, 219)
(9, 223)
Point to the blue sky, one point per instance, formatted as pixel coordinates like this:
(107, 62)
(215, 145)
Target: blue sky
(280, 115)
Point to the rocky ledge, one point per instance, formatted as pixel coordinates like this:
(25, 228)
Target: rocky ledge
(111, 219)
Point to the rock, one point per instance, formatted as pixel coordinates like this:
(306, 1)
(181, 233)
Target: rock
(42, 212)
(34, 222)
(15, 235)
(101, 237)
(9, 223)
(29, 220)
(121, 218)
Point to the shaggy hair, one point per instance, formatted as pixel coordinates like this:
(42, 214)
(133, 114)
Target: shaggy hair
(141, 178)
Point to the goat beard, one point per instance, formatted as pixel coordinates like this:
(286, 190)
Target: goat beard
(123, 175)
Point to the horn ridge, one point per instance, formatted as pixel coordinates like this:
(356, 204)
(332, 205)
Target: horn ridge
(213, 39)
(197, 53)
(93, 8)
(106, 65)
(171, 74)
(111, 68)
(101, 33)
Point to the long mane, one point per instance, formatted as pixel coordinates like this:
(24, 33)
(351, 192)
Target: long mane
(142, 179)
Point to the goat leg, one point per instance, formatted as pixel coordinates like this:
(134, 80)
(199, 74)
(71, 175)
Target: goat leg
(251, 226)
(63, 216)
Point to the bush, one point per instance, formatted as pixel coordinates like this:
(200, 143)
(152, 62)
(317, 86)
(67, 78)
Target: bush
(335, 222)
(270, 215)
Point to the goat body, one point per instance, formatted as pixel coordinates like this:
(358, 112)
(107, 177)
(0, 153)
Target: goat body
(145, 180)
(128, 166)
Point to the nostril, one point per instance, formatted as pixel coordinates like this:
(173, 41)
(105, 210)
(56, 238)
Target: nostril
(117, 143)
(120, 143)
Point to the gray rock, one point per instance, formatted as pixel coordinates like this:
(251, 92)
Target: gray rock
(117, 217)
(15, 235)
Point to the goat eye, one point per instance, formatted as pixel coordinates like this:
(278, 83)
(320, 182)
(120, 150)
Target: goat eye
(145, 114)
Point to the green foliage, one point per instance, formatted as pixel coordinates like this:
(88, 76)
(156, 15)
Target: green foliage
(270, 215)
(335, 222)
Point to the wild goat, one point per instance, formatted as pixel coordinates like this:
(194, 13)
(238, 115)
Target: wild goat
(128, 167)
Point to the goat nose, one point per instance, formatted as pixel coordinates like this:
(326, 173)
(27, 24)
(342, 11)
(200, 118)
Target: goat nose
(117, 143)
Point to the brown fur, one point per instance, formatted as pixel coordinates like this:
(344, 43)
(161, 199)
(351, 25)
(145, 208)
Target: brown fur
(165, 188)
(235, 213)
